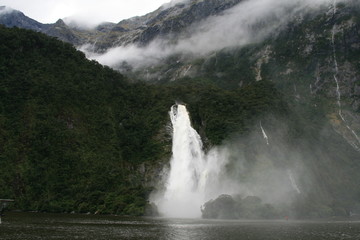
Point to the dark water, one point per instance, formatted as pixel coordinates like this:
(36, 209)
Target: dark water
(62, 226)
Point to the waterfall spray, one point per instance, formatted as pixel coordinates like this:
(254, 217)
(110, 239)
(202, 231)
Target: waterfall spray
(193, 175)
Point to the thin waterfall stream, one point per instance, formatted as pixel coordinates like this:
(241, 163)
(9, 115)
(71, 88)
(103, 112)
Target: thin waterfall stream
(354, 144)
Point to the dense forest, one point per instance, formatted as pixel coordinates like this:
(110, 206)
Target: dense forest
(76, 136)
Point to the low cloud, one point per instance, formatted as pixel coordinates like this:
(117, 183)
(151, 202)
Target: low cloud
(5, 10)
(173, 3)
(247, 22)
(82, 22)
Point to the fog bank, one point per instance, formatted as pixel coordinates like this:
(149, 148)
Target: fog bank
(246, 23)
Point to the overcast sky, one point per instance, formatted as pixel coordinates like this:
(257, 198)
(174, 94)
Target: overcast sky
(93, 11)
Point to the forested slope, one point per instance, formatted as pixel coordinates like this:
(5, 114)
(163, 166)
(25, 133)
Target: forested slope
(77, 136)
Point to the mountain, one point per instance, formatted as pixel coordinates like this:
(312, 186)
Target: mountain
(171, 18)
(13, 18)
(308, 54)
(64, 129)
(67, 33)
(78, 136)
(273, 84)
(302, 49)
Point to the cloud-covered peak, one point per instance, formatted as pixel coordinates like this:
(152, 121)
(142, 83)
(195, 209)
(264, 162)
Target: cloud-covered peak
(245, 23)
(174, 3)
(5, 10)
(81, 22)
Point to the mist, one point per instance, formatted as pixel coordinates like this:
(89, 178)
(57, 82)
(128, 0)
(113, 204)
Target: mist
(246, 23)
(5, 10)
(82, 22)
(172, 3)
(252, 166)
(267, 168)
(298, 168)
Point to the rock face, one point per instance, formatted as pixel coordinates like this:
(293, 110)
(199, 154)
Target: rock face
(168, 19)
(174, 20)
(228, 207)
(13, 18)
(312, 58)
(61, 31)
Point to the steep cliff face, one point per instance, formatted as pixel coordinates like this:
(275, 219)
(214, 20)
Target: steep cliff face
(170, 20)
(317, 59)
(312, 59)
(175, 19)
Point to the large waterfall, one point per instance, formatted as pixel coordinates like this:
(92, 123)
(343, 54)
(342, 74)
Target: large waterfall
(192, 176)
(195, 177)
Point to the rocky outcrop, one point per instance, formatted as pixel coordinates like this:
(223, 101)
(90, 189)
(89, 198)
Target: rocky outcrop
(165, 21)
(13, 18)
(176, 19)
(61, 31)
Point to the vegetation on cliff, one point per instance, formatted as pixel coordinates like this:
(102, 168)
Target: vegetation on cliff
(73, 133)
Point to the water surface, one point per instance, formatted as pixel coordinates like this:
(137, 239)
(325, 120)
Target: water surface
(72, 226)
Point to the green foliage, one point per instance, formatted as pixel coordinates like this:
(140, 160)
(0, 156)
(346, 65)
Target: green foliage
(218, 113)
(70, 128)
(229, 68)
(73, 132)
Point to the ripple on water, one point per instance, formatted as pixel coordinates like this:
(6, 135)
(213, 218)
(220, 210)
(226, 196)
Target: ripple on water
(31, 226)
